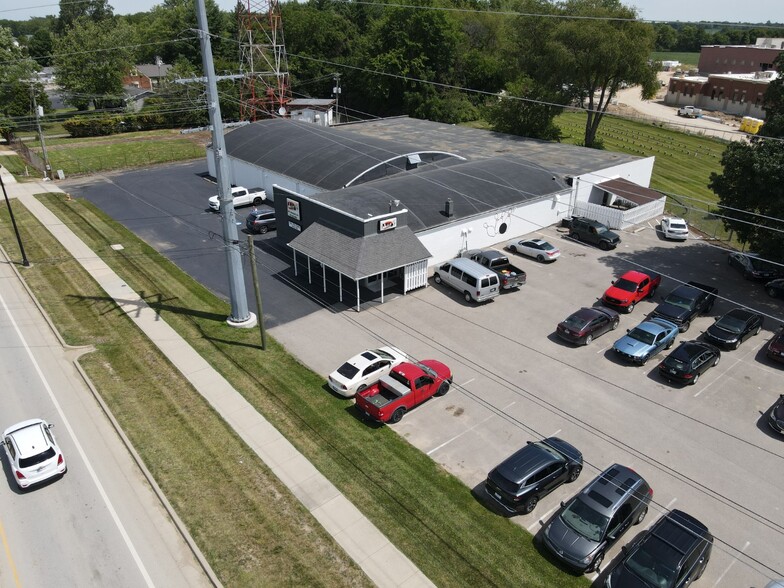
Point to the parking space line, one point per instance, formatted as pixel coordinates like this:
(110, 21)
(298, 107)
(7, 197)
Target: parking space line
(467, 430)
(727, 569)
(602, 350)
(466, 383)
(554, 434)
(545, 516)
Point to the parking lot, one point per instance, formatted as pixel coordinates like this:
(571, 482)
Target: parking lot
(705, 449)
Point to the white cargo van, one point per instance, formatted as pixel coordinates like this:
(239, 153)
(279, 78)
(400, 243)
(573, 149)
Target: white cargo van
(476, 282)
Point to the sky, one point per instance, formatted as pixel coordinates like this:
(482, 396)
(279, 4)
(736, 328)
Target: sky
(669, 10)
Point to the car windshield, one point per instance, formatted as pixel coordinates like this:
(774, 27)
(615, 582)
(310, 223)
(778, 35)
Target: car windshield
(677, 225)
(348, 371)
(382, 353)
(601, 229)
(545, 245)
(575, 322)
(675, 363)
(429, 371)
(626, 285)
(585, 520)
(731, 323)
(640, 335)
(651, 566)
(677, 300)
(26, 462)
(400, 378)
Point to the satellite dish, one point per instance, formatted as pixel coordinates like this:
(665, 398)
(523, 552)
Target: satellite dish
(282, 111)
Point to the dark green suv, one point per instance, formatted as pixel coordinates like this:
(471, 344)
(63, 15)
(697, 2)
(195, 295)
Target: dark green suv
(593, 232)
(672, 554)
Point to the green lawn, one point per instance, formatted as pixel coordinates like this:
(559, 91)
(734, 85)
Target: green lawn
(234, 511)
(15, 164)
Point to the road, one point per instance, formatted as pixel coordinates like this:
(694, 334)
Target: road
(100, 524)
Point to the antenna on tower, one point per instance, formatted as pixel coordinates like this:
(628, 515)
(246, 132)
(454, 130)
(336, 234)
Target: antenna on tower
(264, 91)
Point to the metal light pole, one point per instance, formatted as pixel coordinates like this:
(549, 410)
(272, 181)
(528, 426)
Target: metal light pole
(240, 315)
(25, 262)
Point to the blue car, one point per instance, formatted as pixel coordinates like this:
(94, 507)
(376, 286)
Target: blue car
(646, 340)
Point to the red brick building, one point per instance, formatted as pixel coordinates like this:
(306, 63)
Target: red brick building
(719, 59)
(738, 94)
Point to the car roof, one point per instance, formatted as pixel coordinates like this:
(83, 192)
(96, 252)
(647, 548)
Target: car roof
(634, 275)
(741, 313)
(675, 219)
(681, 531)
(652, 326)
(28, 437)
(689, 349)
(610, 488)
(518, 466)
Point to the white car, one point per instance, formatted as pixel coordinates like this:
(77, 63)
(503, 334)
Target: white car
(364, 370)
(539, 249)
(32, 452)
(674, 228)
(241, 197)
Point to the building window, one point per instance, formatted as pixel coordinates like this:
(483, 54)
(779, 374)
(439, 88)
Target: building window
(735, 96)
(713, 94)
(743, 62)
(718, 60)
(733, 62)
(743, 97)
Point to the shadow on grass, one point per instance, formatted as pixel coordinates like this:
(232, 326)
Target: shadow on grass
(154, 301)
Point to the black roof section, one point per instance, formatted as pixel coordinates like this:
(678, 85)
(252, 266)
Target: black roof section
(477, 143)
(318, 155)
(359, 257)
(474, 187)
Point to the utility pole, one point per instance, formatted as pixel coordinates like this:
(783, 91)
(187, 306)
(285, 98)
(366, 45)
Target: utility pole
(25, 262)
(254, 274)
(336, 92)
(240, 316)
(38, 113)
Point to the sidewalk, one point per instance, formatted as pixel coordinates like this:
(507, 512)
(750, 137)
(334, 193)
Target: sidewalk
(383, 563)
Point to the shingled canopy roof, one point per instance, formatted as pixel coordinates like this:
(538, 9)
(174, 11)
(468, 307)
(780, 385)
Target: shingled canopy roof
(630, 191)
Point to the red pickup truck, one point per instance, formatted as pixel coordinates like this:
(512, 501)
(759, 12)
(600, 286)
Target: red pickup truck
(630, 288)
(406, 386)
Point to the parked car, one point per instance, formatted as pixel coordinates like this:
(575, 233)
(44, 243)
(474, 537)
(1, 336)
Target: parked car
(674, 228)
(690, 111)
(753, 267)
(646, 340)
(775, 288)
(509, 276)
(630, 288)
(260, 220)
(593, 232)
(734, 328)
(593, 520)
(539, 249)
(32, 452)
(776, 417)
(364, 369)
(529, 474)
(240, 197)
(671, 554)
(586, 324)
(688, 361)
(685, 303)
(406, 386)
(775, 349)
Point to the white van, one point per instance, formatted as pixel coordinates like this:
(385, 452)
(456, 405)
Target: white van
(476, 282)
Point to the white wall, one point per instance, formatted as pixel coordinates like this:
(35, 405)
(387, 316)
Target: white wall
(242, 173)
(483, 231)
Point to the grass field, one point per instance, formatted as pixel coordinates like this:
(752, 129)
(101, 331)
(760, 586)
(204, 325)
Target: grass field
(247, 526)
(14, 164)
(686, 59)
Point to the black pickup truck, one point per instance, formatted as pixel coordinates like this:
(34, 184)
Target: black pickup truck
(686, 302)
(509, 275)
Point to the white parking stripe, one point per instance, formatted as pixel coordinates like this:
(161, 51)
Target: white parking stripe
(544, 517)
(554, 434)
(467, 430)
(466, 383)
(727, 569)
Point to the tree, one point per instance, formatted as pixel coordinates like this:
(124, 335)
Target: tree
(91, 60)
(70, 12)
(752, 180)
(40, 47)
(522, 110)
(17, 75)
(591, 55)
(666, 37)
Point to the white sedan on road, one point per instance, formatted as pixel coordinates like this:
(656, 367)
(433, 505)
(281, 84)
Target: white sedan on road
(364, 370)
(674, 228)
(32, 452)
(539, 249)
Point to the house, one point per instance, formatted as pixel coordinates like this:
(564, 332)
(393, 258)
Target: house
(312, 110)
(147, 76)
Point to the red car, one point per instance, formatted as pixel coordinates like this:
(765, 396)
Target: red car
(630, 288)
(407, 385)
(775, 349)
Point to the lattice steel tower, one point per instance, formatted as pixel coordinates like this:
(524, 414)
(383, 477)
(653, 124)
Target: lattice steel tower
(265, 88)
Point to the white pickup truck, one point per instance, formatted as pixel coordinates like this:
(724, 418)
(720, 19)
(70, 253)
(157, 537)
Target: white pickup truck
(242, 197)
(690, 111)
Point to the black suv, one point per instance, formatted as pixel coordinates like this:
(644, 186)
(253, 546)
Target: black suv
(533, 472)
(588, 524)
(260, 220)
(593, 232)
(672, 554)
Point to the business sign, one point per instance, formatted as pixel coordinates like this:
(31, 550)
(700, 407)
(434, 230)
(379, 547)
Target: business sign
(295, 226)
(387, 224)
(293, 207)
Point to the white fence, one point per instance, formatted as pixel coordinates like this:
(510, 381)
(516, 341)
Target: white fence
(616, 218)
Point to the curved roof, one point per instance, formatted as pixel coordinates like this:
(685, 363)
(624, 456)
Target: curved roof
(474, 187)
(320, 156)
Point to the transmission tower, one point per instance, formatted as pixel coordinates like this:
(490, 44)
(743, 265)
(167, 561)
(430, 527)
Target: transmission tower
(265, 88)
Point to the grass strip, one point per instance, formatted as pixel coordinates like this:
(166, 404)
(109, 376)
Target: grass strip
(14, 164)
(250, 528)
(428, 513)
